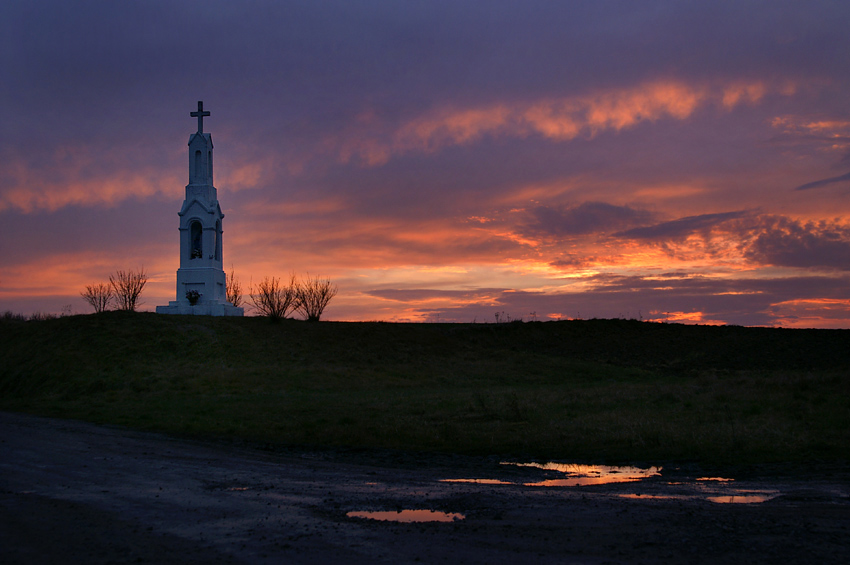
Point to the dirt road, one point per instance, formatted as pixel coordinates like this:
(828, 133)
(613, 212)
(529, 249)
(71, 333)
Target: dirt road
(76, 492)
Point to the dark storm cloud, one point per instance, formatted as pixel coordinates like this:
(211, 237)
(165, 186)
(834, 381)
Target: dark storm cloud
(788, 243)
(588, 217)
(683, 227)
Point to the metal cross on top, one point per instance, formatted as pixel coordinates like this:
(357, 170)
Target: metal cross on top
(200, 115)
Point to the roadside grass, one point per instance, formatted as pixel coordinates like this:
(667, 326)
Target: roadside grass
(601, 390)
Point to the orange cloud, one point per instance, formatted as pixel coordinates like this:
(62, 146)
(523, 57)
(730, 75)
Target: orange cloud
(42, 195)
(76, 178)
(833, 131)
(812, 313)
(243, 176)
(88, 179)
(683, 318)
(455, 127)
(743, 92)
(560, 119)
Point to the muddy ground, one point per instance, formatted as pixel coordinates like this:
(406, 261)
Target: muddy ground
(76, 492)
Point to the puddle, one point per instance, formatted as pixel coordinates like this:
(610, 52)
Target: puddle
(478, 481)
(714, 489)
(735, 496)
(743, 498)
(409, 516)
(749, 498)
(584, 475)
(654, 496)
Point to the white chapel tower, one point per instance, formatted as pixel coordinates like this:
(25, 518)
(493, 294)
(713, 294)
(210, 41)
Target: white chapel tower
(200, 278)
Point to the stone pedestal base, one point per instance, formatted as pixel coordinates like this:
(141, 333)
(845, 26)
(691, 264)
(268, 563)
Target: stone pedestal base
(201, 309)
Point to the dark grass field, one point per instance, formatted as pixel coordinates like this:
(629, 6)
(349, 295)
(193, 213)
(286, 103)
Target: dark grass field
(591, 390)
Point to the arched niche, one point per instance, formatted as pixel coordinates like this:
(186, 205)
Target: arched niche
(196, 240)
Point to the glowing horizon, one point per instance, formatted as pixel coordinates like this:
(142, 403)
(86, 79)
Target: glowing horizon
(550, 163)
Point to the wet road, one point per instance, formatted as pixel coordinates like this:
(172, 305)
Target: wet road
(72, 491)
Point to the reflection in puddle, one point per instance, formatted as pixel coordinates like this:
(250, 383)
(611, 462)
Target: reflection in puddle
(743, 498)
(409, 516)
(721, 499)
(477, 481)
(654, 496)
(583, 475)
(576, 475)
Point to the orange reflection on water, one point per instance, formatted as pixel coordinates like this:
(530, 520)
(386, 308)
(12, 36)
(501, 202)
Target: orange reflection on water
(654, 496)
(408, 516)
(584, 475)
(743, 498)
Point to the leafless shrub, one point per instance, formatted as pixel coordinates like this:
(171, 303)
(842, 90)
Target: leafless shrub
(42, 316)
(99, 295)
(128, 286)
(502, 318)
(9, 316)
(313, 297)
(273, 299)
(233, 288)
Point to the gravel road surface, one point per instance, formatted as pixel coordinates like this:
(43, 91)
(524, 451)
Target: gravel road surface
(76, 492)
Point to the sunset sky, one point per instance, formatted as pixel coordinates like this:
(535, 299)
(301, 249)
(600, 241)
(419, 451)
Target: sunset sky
(440, 160)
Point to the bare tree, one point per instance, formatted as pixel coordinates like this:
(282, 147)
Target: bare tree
(99, 295)
(273, 299)
(313, 297)
(233, 288)
(128, 286)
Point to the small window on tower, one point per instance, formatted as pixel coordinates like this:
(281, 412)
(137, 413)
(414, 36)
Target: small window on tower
(199, 166)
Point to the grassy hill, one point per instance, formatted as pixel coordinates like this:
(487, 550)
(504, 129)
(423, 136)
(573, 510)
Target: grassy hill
(612, 390)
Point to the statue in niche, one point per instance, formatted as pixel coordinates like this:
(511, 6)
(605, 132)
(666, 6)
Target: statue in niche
(197, 241)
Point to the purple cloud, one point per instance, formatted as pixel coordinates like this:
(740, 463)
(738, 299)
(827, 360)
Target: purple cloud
(683, 227)
(824, 182)
(586, 218)
(665, 296)
(789, 243)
